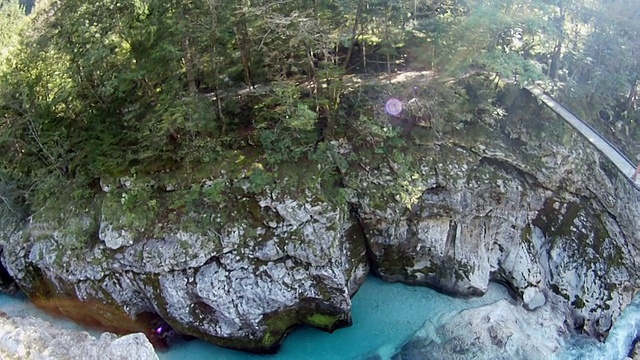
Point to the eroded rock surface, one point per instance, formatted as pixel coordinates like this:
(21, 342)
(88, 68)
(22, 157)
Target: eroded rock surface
(239, 254)
(31, 338)
(516, 197)
(240, 268)
(501, 330)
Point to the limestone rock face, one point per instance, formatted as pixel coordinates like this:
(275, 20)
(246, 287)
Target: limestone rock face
(635, 353)
(236, 265)
(7, 284)
(31, 338)
(517, 198)
(238, 253)
(9, 224)
(497, 331)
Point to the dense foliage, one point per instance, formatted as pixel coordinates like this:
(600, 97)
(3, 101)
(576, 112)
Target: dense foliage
(126, 87)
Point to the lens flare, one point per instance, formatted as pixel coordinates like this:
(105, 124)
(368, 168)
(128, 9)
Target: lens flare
(393, 107)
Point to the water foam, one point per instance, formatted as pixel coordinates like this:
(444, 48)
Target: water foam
(617, 345)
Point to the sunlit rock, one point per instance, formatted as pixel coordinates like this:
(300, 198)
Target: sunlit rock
(533, 298)
(31, 338)
(113, 238)
(240, 253)
(500, 330)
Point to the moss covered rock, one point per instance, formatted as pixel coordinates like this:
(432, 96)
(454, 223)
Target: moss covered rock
(237, 254)
(512, 195)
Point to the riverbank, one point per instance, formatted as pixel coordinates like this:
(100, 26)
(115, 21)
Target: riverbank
(385, 317)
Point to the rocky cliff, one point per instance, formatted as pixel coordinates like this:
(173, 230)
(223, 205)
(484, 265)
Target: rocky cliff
(513, 196)
(239, 252)
(239, 266)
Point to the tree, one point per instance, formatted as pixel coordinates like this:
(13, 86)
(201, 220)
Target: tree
(12, 21)
(604, 68)
(102, 85)
(484, 36)
(354, 33)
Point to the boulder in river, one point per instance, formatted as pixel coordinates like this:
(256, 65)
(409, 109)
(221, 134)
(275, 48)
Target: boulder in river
(501, 330)
(220, 258)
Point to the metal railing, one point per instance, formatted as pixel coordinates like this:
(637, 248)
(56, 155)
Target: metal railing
(620, 153)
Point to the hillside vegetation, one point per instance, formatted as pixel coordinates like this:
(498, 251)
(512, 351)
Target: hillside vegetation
(116, 88)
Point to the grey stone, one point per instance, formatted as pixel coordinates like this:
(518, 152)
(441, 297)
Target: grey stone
(533, 298)
(517, 199)
(497, 331)
(113, 238)
(31, 338)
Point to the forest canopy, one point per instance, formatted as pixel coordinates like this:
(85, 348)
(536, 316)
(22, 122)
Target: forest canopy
(122, 87)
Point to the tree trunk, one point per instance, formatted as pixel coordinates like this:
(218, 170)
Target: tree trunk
(387, 37)
(242, 37)
(388, 63)
(633, 95)
(189, 65)
(216, 93)
(364, 56)
(354, 35)
(312, 74)
(554, 66)
(213, 8)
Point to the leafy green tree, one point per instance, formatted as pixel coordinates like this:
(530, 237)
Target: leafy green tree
(100, 89)
(12, 21)
(610, 55)
(121, 86)
(485, 36)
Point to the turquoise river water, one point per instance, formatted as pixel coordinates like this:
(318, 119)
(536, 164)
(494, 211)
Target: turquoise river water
(385, 316)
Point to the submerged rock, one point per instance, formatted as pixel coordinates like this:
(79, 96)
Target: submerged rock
(501, 330)
(31, 338)
(634, 354)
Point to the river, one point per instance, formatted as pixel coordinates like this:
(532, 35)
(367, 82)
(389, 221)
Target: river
(384, 316)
